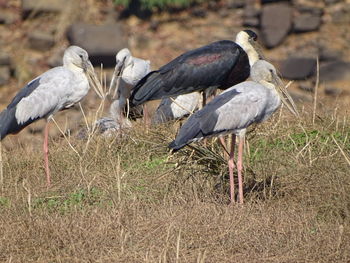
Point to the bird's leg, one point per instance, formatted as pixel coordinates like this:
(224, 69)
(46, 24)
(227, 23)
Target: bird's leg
(46, 154)
(239, 168)
(231, 167)
(146, 116)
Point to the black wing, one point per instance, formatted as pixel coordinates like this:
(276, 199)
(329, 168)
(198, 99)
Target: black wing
(8, 122)
(220, 64)
(202, 123)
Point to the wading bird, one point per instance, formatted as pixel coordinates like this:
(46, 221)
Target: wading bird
(130, 70)
(233, 111)
(218, 65)
(57, 89)
(176, 108)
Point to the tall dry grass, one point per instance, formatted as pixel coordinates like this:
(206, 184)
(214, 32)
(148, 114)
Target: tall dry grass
(128, 200)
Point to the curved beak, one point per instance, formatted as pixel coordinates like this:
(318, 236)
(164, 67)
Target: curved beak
(92, 78)
(284, 95)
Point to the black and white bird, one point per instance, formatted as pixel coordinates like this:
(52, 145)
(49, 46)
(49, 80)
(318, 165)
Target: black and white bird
(57, 89)
(218, 65)
(233, 111)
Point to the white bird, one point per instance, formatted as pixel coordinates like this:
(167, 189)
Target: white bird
(114, 122)
(177, 107)
(233, 111)
(130, 70)
(57, 89)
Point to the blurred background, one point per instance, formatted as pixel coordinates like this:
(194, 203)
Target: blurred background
(292, 35)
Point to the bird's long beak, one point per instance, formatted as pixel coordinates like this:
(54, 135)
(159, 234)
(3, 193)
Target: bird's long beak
(93, 80)
(118, 71)
(285, 97)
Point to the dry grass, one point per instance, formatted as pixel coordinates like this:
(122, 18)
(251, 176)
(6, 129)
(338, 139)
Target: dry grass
(127, 200)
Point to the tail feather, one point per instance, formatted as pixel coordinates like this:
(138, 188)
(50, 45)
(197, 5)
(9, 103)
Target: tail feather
(6, 119)
(147, 89)
(9, 124)
(188, 133)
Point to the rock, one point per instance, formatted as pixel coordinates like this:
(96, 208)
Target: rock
(306, 87)
(41, 41)
(42, 6)
(234, 4)
(331, 2)
(333, 91)
(55, 59)
(5, 59)
(334, 71)
(5, 74)
(306, 23)
(7, 17)
(327, 54)
(251, 16)
(101, 42)
(341, 14)
(199, 12)
(298, 68)
(276, 22)
(309, 10)
(251, 21)
(273, 1)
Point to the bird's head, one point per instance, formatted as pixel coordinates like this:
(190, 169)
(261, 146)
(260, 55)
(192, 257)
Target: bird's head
(247, 39)
(264, 72)
(122, 59)
(77, 59)
(245, 36)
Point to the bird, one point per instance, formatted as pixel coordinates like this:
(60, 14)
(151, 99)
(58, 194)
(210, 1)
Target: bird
(130, 70)
(177, 107)
(56, 89)
(233, 111)
(220, 64)
(114, 122)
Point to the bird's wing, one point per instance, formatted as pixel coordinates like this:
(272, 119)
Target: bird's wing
(43, 96)
(235, 109)
(208, 66)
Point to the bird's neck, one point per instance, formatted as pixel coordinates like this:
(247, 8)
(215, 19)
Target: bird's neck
(268, 85)
(73, 68)
(253, 55)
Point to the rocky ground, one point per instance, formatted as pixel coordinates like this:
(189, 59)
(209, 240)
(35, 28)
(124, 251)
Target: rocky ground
(292, 35)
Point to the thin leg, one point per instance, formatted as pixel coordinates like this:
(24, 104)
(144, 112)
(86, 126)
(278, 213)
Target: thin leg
(239, 168)
(146, 116)
(231, 167)
(46, 154)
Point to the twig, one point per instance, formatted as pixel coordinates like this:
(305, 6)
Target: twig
(341, 150)
(315, 91)
(180, 106)
(64, 135)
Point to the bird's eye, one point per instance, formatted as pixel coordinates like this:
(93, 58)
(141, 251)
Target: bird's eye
(81, 56)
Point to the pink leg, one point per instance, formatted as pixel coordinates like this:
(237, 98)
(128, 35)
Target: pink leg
(231, 166)
(239, 168)
(46, 154)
